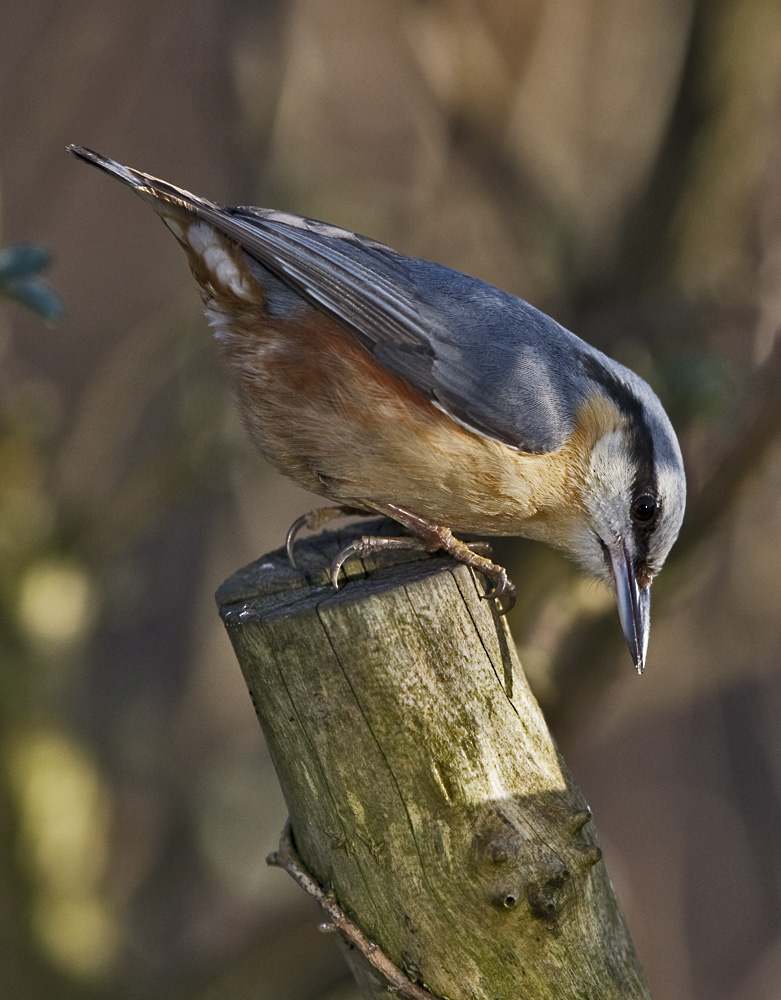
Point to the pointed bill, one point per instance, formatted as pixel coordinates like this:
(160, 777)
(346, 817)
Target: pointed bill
(634, 606)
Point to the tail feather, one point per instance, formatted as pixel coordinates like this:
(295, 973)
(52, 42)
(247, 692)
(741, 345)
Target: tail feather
(150, 188)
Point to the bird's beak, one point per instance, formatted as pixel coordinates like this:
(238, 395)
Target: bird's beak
(634, 605)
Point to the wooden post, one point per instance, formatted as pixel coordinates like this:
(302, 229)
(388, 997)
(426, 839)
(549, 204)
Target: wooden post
(428, 804)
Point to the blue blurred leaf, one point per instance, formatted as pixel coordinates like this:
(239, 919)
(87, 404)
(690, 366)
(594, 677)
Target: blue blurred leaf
(23, 261)
(20, 267)
(36, 295)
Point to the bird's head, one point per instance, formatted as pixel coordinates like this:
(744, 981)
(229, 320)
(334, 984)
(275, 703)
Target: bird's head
(633, 498)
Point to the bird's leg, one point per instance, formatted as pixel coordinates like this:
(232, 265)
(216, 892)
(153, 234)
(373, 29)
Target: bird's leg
(440, 537)
(368, 544)
(430, 537)
(315, 519)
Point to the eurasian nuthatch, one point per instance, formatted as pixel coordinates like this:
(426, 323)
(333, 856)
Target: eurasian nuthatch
(390, 384)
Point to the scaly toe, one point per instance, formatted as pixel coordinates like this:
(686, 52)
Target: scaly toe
(480, 548)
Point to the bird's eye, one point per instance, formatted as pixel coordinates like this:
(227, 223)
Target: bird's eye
(644, 508)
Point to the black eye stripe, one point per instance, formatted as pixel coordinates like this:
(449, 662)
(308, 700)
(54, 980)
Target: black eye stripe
(641, 444)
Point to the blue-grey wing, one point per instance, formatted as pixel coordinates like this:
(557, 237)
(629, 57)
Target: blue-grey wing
(490, 360)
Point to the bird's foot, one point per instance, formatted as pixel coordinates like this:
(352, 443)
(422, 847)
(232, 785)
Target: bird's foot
(464, 552)
(431, 537)
(366, 545)
(314, 520)
(427, 537)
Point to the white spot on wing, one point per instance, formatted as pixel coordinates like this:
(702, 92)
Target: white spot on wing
(203, 239)
(310, 225)
(285, 218)
(200, 235)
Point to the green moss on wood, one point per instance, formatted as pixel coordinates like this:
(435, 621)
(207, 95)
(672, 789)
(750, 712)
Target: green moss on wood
(423, 787)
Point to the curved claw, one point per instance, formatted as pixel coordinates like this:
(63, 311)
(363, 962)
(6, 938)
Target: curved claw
(502, 588)
(368, 544)
(292, 532)
(340, 560)
(504, 609)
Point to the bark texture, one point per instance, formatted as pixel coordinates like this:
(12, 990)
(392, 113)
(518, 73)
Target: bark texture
(424, 789)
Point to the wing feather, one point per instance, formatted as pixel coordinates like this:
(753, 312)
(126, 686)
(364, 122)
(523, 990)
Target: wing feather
(490, 360)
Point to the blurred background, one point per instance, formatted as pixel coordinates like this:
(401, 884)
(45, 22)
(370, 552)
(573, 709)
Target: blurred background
(617, 164)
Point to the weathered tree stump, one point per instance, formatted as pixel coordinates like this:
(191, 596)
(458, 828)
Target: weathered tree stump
(426, 796)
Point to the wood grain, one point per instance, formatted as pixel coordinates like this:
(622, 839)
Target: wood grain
(424, 789)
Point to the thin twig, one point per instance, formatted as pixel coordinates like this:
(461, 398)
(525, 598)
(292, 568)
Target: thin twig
(287, 858)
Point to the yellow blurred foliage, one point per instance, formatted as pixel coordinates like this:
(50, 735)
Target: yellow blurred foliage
(64, 824)
(57, 602)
